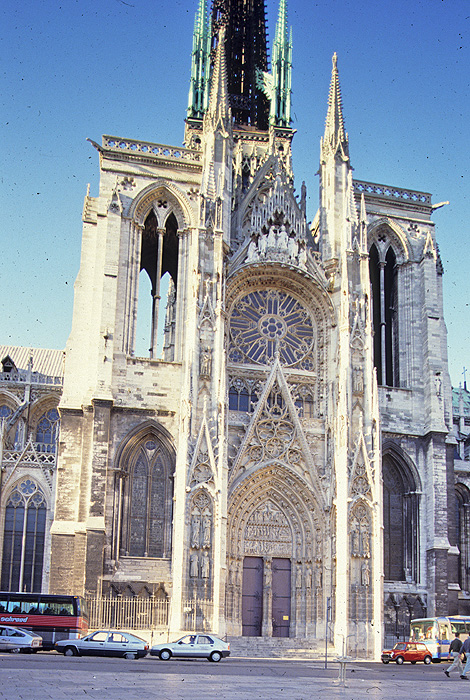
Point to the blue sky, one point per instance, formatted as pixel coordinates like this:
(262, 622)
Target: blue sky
(76, 69)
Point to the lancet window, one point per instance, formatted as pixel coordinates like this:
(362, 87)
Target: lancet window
(462, 503)
(241, 397)
(47, 431)
(159, 257)
(383, 278)
(23, 538)
(401, 521)
(146, 500)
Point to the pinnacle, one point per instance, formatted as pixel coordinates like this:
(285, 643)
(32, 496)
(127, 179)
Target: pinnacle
(335, 137)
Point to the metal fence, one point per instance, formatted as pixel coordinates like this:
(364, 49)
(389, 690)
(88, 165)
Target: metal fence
(197, 614)
(127, 613)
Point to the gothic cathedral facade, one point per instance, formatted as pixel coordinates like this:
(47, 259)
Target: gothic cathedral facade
(285, 460)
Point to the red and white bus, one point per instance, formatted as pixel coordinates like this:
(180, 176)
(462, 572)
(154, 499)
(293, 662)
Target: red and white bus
(53, 617)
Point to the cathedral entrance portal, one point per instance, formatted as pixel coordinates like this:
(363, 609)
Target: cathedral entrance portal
(274, 557)
(266, 597)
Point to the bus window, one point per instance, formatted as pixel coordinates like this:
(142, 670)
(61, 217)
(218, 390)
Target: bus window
(458, 627)
(3, 604)
(443, 631)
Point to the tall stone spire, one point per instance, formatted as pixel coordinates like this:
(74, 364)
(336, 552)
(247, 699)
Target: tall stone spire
(217, 147)
(335, 140)
(246, 53)
(200, 63)
(218, 110)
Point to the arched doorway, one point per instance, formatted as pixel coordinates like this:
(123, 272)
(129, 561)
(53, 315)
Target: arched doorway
(275, 556)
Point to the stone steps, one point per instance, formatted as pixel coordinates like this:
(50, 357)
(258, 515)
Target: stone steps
(277, 647)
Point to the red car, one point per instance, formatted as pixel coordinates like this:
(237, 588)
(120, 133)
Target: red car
(407, 651)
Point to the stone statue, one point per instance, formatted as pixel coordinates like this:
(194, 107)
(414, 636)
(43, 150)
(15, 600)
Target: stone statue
(206, 532)
(194, 565)
(262, 244)
(205, 565)
(205, 363)
(292, 248)
(365, 544)
(195, 531)
(271, 244)
(355, 541)
(252, 254)
(358, 380)
(365, 574)
(298, 578)
(282, 240)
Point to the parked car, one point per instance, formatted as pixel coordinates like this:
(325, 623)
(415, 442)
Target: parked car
(24, 640)
(194, 646)
(105, 643)
(407, 651)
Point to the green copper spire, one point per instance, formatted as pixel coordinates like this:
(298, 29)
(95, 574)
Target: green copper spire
(282, 69)
(277, 84)
(200, 63)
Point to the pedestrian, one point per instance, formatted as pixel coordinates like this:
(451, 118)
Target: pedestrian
(465, 649)
(454, 654)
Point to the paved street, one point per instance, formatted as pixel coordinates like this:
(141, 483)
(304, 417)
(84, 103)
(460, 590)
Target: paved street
(50, 675)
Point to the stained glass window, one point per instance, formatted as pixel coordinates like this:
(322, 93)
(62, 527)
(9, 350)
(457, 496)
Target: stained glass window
(23, 542)
(47, 431)
(267, 322)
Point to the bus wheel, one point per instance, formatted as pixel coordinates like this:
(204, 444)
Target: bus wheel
(70, 651)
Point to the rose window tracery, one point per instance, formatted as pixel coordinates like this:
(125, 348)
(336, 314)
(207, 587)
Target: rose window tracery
(266, 322)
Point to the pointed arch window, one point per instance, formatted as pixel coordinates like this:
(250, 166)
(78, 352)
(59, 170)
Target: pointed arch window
(23, 538)
(401, 522)
(47, 431)
(462, 502)
(5, 413)
(147, 498)
(159, 258)
(383, 279)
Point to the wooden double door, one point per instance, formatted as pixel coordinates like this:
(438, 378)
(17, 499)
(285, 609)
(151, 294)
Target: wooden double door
(261, 600)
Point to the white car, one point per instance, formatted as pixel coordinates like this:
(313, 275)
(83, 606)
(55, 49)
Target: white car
(193, 646)
(105, 643)
(24, 640)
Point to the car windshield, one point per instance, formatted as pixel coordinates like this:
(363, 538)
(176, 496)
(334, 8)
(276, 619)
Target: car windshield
(401, 646)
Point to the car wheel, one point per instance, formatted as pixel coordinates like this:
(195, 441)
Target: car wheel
(427, 660)
(130, 655)
(16, 650)
(385, 661)
(412, 662)
(70, 651)
(215, 656)
(399, 660)
(165, 655)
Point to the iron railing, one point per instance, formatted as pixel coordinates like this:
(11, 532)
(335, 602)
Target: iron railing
(127, 613)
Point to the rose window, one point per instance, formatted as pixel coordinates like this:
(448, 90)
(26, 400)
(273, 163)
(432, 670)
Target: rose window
(268, 322)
